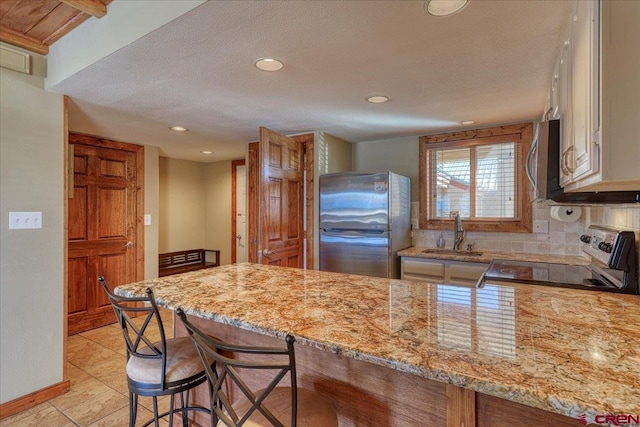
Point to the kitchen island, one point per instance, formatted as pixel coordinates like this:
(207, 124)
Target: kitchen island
(399, 353)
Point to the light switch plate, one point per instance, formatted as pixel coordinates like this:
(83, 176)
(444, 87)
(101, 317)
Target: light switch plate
(25, 220)
(540, 226)
(147, 219)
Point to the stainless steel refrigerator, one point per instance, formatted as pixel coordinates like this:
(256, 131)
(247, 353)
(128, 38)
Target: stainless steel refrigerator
(364, 222)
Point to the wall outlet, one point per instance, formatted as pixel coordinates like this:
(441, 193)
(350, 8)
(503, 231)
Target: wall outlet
(540, 226)
(25, 220)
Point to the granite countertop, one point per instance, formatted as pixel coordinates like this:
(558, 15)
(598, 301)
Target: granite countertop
(488, 256)
(566, 351)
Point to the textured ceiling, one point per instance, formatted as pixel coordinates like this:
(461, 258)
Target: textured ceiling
(490, 63)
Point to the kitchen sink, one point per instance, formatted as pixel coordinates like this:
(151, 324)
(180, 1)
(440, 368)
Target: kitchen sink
(451, 252)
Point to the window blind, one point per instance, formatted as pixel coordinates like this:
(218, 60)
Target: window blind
(476, 180)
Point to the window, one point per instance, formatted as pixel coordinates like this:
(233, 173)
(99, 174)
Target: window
(479, 174)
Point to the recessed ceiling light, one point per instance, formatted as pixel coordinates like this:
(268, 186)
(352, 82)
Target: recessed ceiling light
(467, 122)
(268, 64)
(444, 7)
(377, 99)
(207, 152)
(178, 128)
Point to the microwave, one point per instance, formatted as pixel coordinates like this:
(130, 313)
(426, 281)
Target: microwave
(543, 170)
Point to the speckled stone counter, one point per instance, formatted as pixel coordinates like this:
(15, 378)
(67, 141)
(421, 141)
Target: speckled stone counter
(488, 256)
(564, 351)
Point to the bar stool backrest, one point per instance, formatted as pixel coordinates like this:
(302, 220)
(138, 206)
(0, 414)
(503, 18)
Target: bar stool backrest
(227, 364)
(148, 340)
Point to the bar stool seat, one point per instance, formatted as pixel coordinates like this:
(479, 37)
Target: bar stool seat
(182, 362)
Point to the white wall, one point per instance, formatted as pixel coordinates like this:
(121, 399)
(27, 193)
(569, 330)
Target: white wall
(125, 22)
(217, 222)
(31, 261)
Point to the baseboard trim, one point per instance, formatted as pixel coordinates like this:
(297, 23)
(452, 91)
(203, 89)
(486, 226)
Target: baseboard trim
(32, 399)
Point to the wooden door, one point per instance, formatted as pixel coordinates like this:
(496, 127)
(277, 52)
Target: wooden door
(281, 190)
(105, 233)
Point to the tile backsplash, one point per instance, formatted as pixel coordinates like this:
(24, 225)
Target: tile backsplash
(562, 238)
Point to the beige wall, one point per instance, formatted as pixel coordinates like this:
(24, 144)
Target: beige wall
(217, 224)
(181, 205)
(330, 155)
(31, 261)
(151, 195)
(399, 155)
(194, 206)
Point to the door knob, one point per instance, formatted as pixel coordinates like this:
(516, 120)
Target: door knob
(129, 244)
(267, 252)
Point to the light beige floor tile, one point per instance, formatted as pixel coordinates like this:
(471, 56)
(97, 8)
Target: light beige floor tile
(115, 365)
(84, 391)
(81, 347)
(76, 375)
(41, 415)
(109, 337)
(118, 383)
(24, 414)
(75, 342)
(86, 360)
(163, 403)
(97, 407)
(121, 418)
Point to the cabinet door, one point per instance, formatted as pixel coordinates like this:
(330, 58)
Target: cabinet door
(431, 271)
(564, 89)
(582, 159)
(464, 273)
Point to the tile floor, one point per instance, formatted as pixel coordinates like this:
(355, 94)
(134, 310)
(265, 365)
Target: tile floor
(99, 395)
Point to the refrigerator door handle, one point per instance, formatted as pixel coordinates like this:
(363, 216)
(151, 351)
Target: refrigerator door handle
(351, 231)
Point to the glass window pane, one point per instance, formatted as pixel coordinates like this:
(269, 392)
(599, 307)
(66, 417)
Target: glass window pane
(453, 175)
(495, 181)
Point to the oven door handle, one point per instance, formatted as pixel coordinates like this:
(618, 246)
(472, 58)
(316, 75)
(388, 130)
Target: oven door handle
(481, 280)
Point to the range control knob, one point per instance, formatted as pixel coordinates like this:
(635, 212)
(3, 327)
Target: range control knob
(605, 247)
(585, 238)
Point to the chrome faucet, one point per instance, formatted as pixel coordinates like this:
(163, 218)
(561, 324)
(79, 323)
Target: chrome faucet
(458, 232)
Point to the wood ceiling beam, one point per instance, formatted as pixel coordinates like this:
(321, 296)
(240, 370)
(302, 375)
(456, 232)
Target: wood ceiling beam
(92, 7)
(14, 38)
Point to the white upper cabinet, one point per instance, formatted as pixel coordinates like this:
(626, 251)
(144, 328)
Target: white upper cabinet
(582, 156)
(564, 97)
(599, 98)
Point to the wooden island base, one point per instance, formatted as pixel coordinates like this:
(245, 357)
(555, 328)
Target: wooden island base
(369, 395)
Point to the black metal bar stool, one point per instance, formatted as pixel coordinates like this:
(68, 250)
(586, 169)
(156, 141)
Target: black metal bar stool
(274, 405)
(155, 367)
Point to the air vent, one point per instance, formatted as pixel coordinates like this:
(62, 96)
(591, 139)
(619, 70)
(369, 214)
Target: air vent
(14, 59)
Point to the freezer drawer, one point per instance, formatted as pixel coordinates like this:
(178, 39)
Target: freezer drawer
(353, 252)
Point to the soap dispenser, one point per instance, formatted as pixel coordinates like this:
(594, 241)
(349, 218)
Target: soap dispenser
(440, 243)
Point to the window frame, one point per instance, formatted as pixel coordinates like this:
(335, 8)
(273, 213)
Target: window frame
(521, 134)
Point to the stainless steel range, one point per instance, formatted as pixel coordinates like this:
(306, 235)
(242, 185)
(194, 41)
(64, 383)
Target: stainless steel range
(613, 267)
